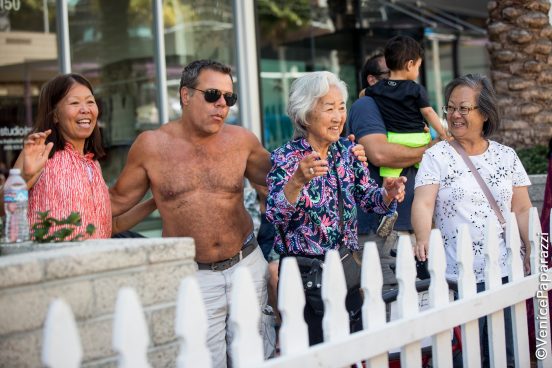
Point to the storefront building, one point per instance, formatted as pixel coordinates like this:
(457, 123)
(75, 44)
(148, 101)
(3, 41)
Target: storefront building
(133, 52)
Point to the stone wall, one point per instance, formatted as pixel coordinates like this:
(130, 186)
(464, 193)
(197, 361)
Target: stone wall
(536, 190)
(520, 47)
(87, 276)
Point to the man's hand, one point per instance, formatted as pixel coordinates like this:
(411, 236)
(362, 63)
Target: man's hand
(35, 154)
(358, 150)
(394, 188)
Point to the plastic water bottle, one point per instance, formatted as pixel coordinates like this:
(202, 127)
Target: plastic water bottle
(16, 196)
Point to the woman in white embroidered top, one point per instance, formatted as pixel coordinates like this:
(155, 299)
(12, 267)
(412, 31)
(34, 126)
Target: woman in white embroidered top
(446, 191)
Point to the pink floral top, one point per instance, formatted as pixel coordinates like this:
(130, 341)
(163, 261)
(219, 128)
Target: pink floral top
(72, 182)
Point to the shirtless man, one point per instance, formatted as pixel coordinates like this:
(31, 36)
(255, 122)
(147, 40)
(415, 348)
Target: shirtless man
(195, 167)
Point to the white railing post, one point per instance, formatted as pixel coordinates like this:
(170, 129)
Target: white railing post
(61, 342)
(373, 309)
(471, 351)
(539, 266)
(439, 297)
(407, 299)
(294, 336)
(191, 326)
(130, 331)
(62, 348)
(518, 311)
(493, 280)
(245, 313)
(335, 323)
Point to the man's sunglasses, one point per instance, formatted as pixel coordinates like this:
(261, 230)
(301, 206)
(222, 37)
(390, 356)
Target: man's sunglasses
(213, 95)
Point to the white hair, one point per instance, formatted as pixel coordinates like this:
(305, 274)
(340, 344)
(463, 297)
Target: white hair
(304, 94)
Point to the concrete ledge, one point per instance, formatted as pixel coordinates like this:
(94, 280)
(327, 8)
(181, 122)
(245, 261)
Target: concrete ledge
(88, 275)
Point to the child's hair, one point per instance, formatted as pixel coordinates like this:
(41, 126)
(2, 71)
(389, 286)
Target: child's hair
(400, 49)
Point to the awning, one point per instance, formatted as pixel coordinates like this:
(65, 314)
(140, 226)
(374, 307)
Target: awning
(431, 13)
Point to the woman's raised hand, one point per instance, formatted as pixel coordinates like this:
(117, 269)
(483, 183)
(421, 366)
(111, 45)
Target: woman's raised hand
(394, 188)
(35, 153)
(310, 167)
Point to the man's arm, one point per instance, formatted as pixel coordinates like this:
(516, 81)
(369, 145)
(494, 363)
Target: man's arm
(366, 123)
(258, 162)
(132, 217)
(133, 182)
(382, 153)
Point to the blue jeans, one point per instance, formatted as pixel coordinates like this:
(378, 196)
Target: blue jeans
(265, 238)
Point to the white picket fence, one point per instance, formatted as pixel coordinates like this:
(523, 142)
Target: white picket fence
(61, 347)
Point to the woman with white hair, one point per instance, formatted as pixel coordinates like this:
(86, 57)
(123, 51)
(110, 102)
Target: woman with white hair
(316, 182)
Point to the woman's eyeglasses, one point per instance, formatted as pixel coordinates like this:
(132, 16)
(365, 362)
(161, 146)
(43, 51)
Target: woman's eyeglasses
(463, 110)
(212, 95)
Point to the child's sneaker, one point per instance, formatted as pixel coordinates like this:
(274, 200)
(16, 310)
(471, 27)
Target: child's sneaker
(386, 225)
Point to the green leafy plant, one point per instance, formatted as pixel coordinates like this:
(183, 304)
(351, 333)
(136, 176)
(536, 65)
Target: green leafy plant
(534, 159)
(41, 229)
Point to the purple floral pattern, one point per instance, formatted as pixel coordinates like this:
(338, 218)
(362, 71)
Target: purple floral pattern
(311, 226)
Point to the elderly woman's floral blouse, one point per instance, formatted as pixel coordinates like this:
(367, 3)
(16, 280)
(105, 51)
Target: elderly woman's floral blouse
(311, 226)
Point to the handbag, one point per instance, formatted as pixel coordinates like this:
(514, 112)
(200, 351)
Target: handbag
(352, 266)
(311, 276)
(311, 268)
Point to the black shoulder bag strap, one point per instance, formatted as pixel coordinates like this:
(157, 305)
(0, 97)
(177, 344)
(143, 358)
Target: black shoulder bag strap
(479, 180)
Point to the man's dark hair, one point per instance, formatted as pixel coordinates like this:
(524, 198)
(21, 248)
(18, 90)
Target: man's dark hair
(191, 72)
(400, 49)
(50, 95)
(371, 67)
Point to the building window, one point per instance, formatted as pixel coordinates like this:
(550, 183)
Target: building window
(27, 60)
(197, 29)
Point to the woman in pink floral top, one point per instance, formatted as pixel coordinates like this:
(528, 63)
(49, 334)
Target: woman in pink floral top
(315, 172)
(59, 160)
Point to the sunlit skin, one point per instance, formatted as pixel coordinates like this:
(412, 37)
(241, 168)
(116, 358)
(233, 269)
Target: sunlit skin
(77, 115)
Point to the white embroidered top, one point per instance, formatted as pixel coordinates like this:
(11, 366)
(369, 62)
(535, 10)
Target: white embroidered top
(460, 200)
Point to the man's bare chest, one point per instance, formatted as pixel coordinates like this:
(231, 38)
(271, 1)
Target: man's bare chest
(182, 173)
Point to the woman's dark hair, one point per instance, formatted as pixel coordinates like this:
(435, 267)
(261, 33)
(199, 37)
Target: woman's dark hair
(50, 96)
(486, 100)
